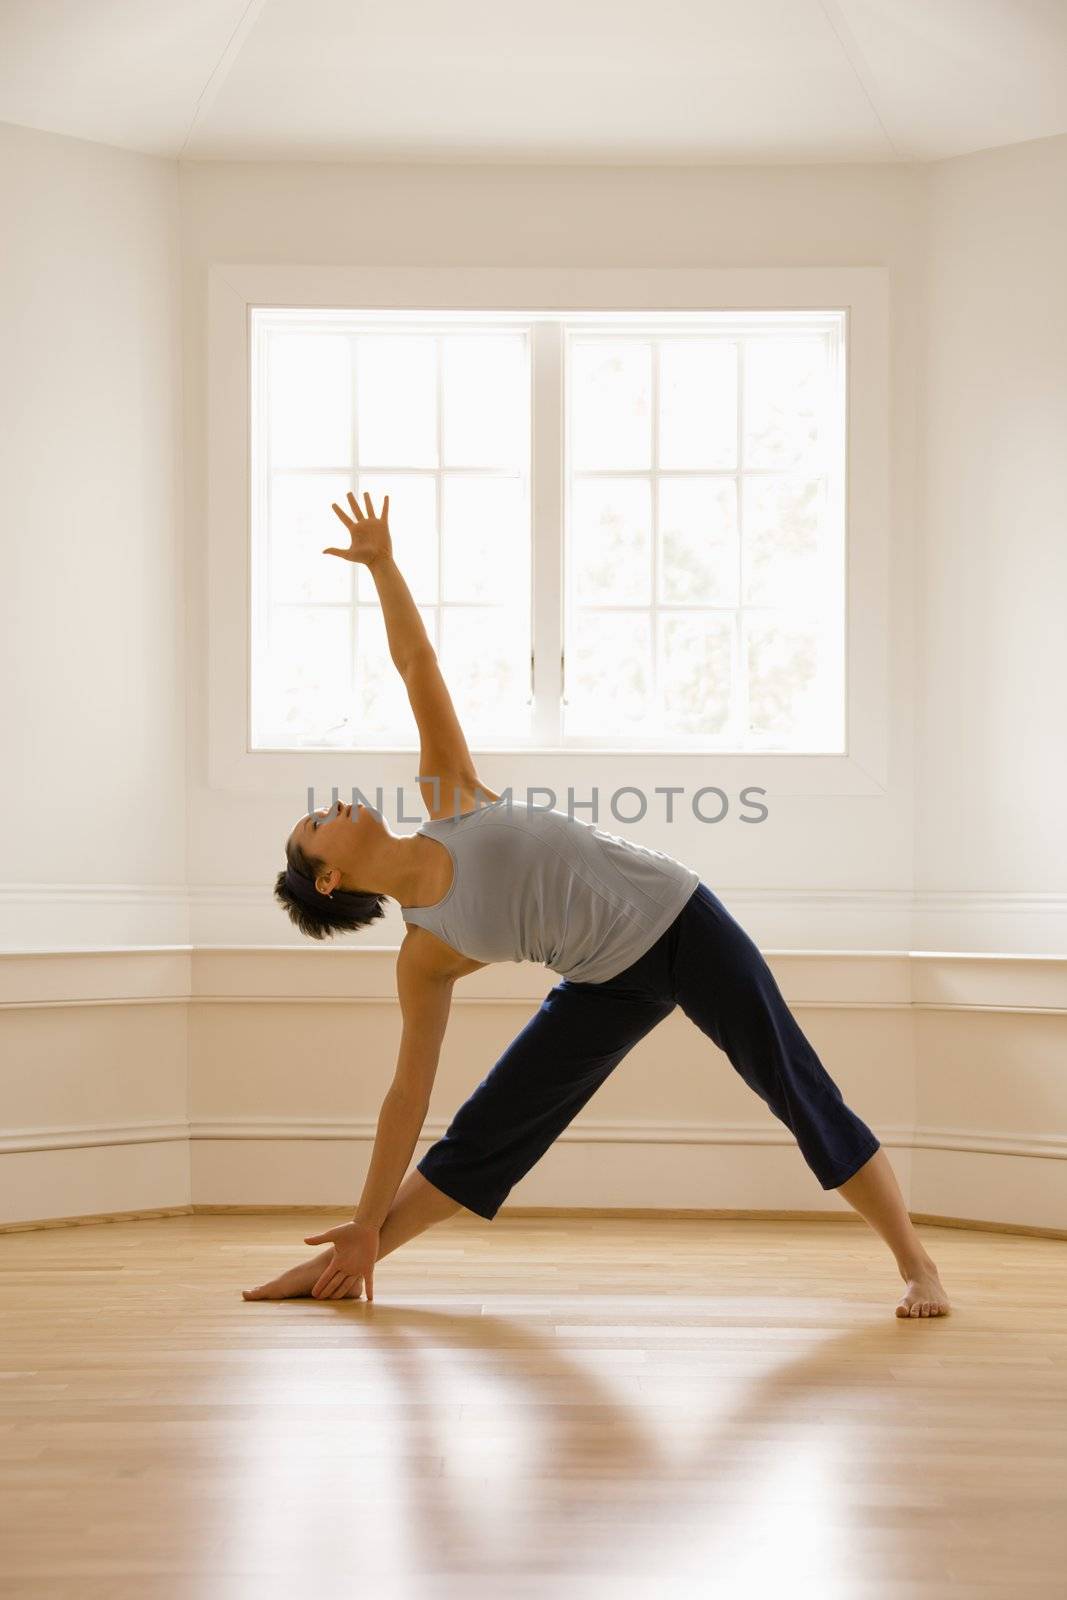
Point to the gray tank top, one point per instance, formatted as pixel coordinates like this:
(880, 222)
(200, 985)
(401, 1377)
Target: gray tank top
(536, 885)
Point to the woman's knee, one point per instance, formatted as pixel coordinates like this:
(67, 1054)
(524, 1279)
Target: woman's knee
(436, 1202)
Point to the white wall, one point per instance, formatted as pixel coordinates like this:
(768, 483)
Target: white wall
(991, 867)
(92, 735)
(823, 870)
(98, 1049)
(92, 740)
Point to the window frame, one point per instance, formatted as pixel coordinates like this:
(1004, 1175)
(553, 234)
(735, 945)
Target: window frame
(861, 293)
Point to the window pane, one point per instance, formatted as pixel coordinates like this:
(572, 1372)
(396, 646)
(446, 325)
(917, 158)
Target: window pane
(611, 404)
(793, 687)
(485, 541)
(486, 408)
(786, 388)
(785, 554)
(696, 672)
(611, 521)
(485, 659)
(302, 524)
(310, 400)
(396, 396)
(730, 532)
(699, 559)
(609, 671)
(308, 675)
(698, 403)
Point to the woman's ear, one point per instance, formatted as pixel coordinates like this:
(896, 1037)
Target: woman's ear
(328, 881)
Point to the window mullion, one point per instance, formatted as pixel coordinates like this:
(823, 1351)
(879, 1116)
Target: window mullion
(439, 492)
(353, 478)
(546, 515)
(739, 698)
(655, 697)
(261, 631)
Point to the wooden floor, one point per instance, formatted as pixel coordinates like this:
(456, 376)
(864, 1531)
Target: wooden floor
(533, 1407)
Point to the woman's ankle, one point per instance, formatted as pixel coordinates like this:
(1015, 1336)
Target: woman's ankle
(915, 1260)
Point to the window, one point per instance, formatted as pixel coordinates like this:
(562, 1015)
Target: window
(622, 530)
(438, 418)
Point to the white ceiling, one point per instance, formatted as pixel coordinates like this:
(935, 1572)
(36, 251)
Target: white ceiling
(616, 82)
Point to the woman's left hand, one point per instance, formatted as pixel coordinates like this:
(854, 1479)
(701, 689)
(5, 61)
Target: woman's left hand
(355, 1250)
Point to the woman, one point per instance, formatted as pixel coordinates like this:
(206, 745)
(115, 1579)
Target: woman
(631, 931)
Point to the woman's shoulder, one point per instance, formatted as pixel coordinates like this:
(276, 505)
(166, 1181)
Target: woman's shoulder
(463, 800)
(432, 957)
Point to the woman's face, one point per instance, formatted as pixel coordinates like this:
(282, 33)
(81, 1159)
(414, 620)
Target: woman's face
(321, 833)
(333, 834)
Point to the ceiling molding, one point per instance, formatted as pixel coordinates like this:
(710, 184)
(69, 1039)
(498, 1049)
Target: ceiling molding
(863, 75)
(234, 45)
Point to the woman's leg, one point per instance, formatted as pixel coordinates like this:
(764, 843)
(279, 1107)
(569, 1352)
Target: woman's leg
(572, 1043)
(544, 1077)
(575, 1039)
(724, 985)
(875, 1194)
(416, 1206)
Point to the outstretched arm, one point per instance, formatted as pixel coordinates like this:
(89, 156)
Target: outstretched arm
(424, 988)
(445, 762)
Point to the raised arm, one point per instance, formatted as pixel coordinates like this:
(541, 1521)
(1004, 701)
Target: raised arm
(444, 754)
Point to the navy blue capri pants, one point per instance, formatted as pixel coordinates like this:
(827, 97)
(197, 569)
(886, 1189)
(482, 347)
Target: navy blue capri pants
(706, 963)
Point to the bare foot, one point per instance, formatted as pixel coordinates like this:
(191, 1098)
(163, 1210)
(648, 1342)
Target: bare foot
(297, 1283)
(925, 1294)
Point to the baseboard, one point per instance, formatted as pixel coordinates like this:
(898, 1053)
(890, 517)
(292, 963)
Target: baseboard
(149, 1215)
(987, 1227)
(577, 1213)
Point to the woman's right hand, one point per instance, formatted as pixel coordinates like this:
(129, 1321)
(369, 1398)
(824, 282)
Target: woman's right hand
(370, 534)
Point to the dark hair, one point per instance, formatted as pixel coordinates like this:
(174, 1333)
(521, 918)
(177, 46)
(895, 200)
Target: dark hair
(318, 915)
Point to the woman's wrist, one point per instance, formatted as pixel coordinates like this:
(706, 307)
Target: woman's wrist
(367, 1219)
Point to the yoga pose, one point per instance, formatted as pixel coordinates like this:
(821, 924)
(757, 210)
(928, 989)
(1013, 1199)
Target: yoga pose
(630, 931)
